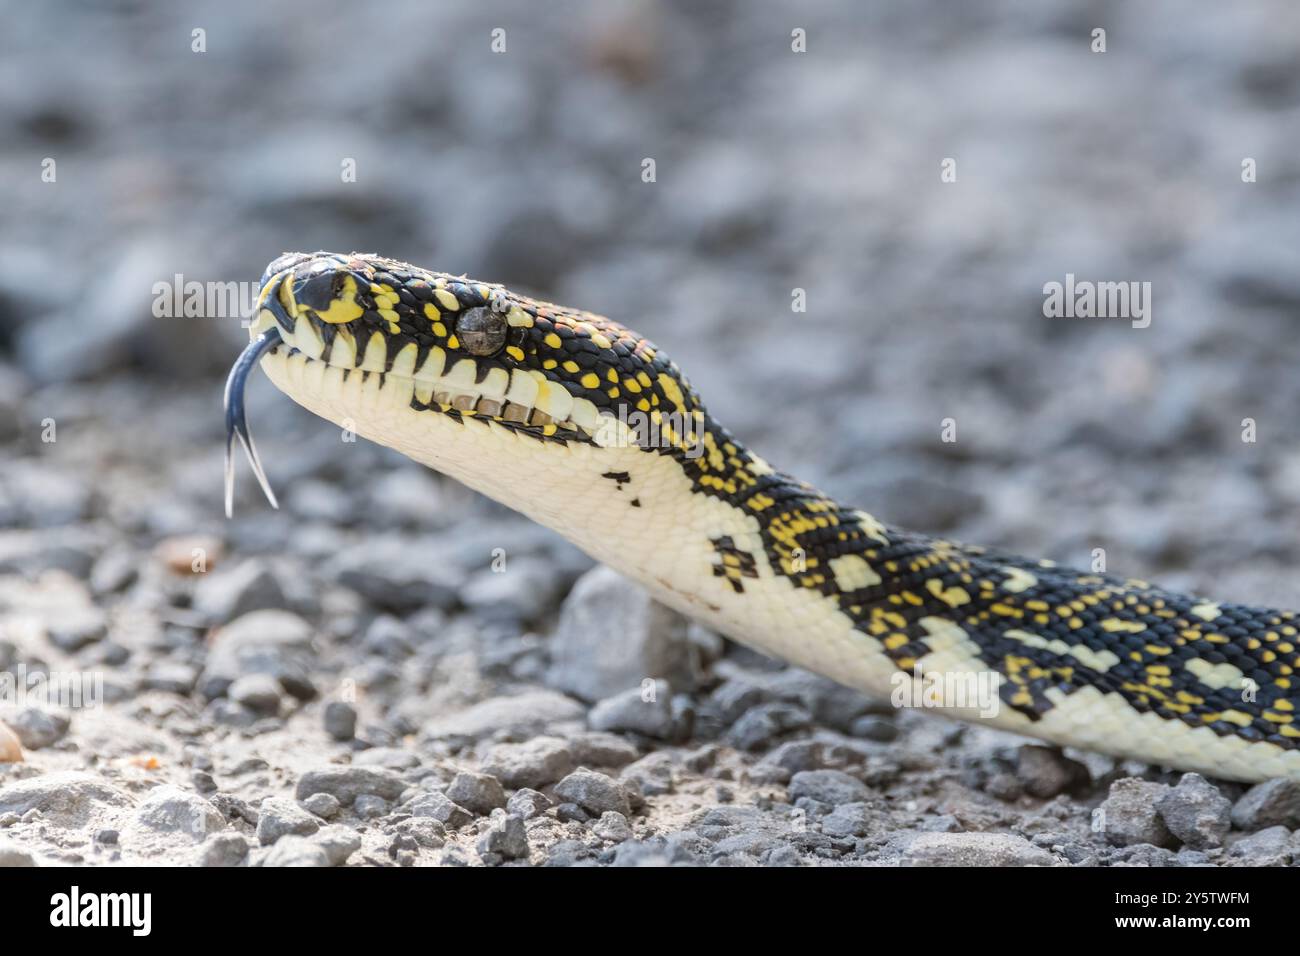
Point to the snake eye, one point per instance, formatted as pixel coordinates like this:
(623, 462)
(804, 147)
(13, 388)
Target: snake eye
(481, 331)
(318, 291)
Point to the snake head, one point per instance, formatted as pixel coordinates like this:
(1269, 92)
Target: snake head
(471, 350)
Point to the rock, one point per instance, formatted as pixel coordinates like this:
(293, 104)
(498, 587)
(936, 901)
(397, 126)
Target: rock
(593, 792)
(11, 854)
(1196, 812)
(759, 726)
(479, 793)
(169, 809)
(390, 758)
(338, 842)
(113, 572)
(598, 749)
(439, 807)
(612, 635)
(323, 805)
(1271, 846)
(172, 677)
(1045, 772)
(37, 727)
(833, 787)
(71, 632)
(345, 784)
(382, 571)
(271, 642)
(223, 849)
(368, 806)
(874, 727)
(1128, 814)
(535, 763)
(612, 826)
(653, 773)
(658, 714)
(66, 798)
(850, 820)
(340, 720)
(260, 693)
(278, 817)
(974, 849)
(228, 593)
(504, 839)
(1271, 803)
(190, 554)
(528, 804)
(11, 750)
(525, 591)
(527, 714)
(297, 851)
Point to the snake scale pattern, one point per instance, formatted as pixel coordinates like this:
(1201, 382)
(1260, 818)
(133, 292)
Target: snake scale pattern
(585, 426)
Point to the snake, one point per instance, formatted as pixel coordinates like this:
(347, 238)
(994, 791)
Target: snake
(587, 427)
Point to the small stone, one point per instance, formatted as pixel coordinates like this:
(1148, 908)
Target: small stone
(370, 806)
(204, 782)
(323, 805)
(760, 726)
(1270, 846)
(874, 727)
(295, 850)
(278, 817)
(338, 842)
(612, 826)
(652, 715)
(169, 809)
(535, 763)
(37, 727)
(1045, 772)
(974, 849)
(1128, 814)
(571, 813)
(504, 839)
(223, 849)
(1272, 803)
(189, 554)
(260, 693)
(523, 715)
(594, 792)
(11, 854)
(527, 804)
(440, 808)
(599, 749)
(345, 784)
(479, 793)
(226, 594)
(611, 635)
(653, 773)
(1196, 812)
(172, 677)
(107, 837)
(834, 787)
(71, 632)
(113, 572)
(340, 720)
(850, 820)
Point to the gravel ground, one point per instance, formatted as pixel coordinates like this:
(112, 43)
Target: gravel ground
(393, 671)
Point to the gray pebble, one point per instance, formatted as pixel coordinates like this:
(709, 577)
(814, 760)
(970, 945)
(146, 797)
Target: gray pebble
(653, 773)
(297, 851)
(504, 839)
(1271, 803)
(527, 804)
(173, 677)
(1271, 846)
(760, 726)
(338, 842)
(340, 720)
(638, 711)
(169, 809)
(323, 805)
(345, 784)
(612, 826)
(571, 813)
(37, 727)
(370, 806)
(599, 749)
(279, 816)
(479, 793)
(974, 849)
(228, 592)
(535, 763)
(223, 849)
(438, 807)
(850, 820)
(834, 787)
(1045, 772)
(594, 792)
(1196, 812)
(873, 727)
(260, 693)
(1128, 814)
(11, 854)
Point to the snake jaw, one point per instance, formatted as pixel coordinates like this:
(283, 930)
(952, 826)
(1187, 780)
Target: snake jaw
(236, 420)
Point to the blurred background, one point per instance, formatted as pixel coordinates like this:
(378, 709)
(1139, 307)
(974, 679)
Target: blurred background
(775, 170)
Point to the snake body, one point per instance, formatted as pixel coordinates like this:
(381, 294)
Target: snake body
(583, 425)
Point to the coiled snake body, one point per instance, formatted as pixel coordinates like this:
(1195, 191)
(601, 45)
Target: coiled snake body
(586, 427)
